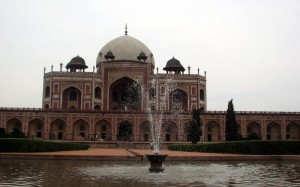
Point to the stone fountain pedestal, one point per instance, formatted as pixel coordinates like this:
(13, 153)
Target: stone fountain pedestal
(156, 161)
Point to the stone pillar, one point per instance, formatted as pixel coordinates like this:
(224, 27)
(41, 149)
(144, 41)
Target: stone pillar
(244, 128)
(222, 130)
(283, 129)
(69, 128)
(263, 130)
(136, 125)
(114, 131)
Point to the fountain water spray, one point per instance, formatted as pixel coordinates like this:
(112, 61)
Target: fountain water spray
(155, 115)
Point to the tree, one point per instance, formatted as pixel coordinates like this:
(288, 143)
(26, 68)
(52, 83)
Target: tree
(230, 124)
(194, 127)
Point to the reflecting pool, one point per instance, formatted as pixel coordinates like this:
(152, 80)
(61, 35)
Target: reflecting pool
(99, 173)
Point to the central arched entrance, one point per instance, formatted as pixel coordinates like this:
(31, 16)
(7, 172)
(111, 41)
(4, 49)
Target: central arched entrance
(124, 94)
(125, 131)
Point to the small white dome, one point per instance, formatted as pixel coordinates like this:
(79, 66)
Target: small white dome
(125, 48)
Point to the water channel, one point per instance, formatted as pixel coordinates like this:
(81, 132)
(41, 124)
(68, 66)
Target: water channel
(113, 174)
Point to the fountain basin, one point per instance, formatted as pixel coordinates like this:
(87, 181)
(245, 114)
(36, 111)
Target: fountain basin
(156, 161)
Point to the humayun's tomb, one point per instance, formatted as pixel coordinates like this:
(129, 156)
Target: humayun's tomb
(107, 104)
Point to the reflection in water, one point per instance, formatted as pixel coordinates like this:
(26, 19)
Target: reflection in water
(97, 173)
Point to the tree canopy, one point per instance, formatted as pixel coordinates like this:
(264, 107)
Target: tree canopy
(194, 127)
(230, 124)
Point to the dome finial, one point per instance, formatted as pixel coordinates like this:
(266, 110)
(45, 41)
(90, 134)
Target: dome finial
(126, 29)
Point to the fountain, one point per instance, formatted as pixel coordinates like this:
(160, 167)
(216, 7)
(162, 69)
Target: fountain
(155, 118)
(156, 161)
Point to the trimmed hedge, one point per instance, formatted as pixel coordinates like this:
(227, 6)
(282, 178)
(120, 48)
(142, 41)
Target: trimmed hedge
(30, 145)
(243, 147)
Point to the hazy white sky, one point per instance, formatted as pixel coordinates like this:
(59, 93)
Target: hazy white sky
(250, 49)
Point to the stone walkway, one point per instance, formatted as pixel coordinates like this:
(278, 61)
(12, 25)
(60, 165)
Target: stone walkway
(138, 155)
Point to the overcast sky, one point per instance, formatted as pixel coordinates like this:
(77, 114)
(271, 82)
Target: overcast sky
(249, 49)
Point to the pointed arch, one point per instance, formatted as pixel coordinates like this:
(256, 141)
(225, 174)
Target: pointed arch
(145, 131)
(202, 94)
(178, 100)
(169, 131)
(97, 107)
(186, 131)
(125, 129)
(81, 130)
(212, 131)
(58, 129)
(254, 130)
(47, 91)
(98, 93)
(36, 128)
(273, 131)
(293, 131)
(71, 98)
(103, 130)
(12, 124)
(125, 94)
(202, 109)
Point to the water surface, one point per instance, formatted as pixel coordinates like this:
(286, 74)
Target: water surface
(113, 174)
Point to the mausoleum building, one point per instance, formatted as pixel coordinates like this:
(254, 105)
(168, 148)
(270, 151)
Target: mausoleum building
(112, 102)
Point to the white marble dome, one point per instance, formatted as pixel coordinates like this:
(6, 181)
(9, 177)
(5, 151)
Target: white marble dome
(125, 48)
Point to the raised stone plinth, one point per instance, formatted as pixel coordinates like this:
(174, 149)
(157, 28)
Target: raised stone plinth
(156, 161)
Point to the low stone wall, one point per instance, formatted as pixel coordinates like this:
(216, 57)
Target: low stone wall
(126, 145)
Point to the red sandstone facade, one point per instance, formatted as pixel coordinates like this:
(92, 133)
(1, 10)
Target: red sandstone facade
(111, 103)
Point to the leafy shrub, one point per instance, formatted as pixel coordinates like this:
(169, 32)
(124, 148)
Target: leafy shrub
(16, 133)
(243, 147)
(253, 136)
(29, 145)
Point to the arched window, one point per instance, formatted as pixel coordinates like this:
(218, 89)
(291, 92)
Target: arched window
(47, 91)
(98, 92)
(73, 96)
(46, 106)
(97, 107)
(201, 109)
(202, 96)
